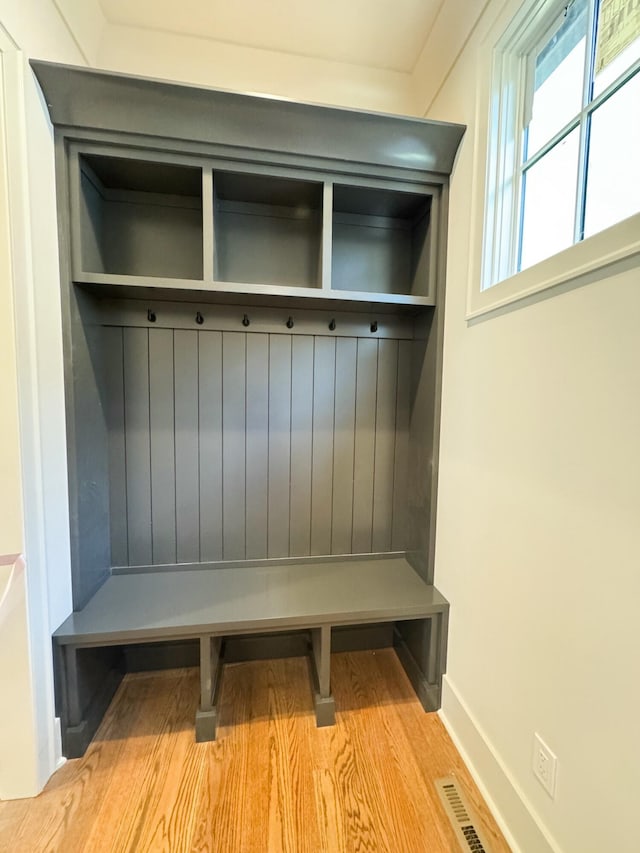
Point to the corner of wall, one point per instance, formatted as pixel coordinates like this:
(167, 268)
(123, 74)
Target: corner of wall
(452, 28)
(85, 21)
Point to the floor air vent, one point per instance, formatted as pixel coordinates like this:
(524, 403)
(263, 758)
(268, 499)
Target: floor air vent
(461, 817)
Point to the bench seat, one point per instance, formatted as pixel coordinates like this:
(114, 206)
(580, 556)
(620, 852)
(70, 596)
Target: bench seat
(211, 603)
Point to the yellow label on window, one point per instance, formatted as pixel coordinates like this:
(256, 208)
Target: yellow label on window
(618, 26)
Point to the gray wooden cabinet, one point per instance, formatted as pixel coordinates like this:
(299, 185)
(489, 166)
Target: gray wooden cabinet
(252, 295)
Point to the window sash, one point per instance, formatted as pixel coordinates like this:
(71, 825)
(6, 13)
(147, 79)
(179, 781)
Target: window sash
(514, 64)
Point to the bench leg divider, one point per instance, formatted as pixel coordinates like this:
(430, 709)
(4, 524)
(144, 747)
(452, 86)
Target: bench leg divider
(320, 660)
(211, 667)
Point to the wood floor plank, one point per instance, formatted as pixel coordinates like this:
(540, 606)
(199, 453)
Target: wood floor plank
(407, 813)
(439, 758)
(271, 783)
(292, 824)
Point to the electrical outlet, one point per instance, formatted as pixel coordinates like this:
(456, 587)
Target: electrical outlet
(545, 765)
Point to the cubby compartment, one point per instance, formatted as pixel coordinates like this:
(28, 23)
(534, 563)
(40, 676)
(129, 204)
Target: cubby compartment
(140, 218)
(381, 241)
(267, 230)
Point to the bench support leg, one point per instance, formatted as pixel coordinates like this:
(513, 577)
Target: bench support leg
(321, 674)
(84, 686)
(421, 646)
(210, 681)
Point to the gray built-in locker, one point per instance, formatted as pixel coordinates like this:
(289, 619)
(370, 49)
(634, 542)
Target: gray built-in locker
(252, 295)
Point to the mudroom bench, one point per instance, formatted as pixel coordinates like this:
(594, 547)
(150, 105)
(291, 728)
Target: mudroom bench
(252, 316)
(212, 604)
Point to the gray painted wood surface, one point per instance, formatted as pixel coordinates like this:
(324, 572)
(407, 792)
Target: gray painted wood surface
(187, 444)
(165, 605)
(231, 444)
(210, 456)
(89, 493)
(243, 445)
(137, 445)
(343, 446)
(134, 226)
(257, 124)
(257, 445)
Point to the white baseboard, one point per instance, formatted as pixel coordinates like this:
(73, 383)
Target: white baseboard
(512, 811)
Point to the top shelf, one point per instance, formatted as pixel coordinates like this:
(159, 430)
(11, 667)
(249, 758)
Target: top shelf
(193, 226)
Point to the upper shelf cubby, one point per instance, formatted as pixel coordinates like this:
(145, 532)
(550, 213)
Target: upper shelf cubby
(381, 241)
(267, 230)
(217, 195)
(140, 218)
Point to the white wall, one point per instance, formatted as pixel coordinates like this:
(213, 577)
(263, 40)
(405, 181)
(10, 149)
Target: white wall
(225, 66)
(32, 385)
(538, 542)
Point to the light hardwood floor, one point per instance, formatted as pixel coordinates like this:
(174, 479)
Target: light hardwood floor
(271, 782)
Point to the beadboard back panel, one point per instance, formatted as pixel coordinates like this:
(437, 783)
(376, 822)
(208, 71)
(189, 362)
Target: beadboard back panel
(234, 445)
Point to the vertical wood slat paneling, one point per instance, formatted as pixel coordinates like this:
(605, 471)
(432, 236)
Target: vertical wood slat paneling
(343, 445)
(279, 444)
(301, 441)
(365, 440)
(234, 351)
(385, 445)
(187, 475)
(113, 341)
(324, 372)
(257, 445)
(137, 445)
(210, 444)
(403, 404)
(240, 445)
(162, 443)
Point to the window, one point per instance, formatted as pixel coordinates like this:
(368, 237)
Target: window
(564, 132)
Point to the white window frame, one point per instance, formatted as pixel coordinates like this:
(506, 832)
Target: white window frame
(504, 62)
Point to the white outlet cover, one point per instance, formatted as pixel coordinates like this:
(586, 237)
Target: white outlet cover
(545, 765)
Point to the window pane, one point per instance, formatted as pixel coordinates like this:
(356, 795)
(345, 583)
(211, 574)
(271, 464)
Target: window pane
(550, 202)
(558, 79)
(618, 40)
(613, 179)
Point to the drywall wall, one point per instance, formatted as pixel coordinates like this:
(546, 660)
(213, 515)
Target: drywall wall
(538, 539)
(225, 66)
(31, 376)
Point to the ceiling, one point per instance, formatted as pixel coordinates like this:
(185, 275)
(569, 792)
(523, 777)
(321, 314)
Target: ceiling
(387, 34)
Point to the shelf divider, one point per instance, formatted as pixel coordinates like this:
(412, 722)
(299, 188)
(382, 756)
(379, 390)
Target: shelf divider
(327, 236)
(208, 224)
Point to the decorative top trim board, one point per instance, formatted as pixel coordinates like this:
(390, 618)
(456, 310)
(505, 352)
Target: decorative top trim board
(100, 100)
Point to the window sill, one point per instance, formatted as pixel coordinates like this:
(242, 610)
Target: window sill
(587, 261)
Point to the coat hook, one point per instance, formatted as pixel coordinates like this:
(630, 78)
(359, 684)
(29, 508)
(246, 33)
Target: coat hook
(374, 326)
(245, 320)
(151, 315)
(290, 323)
(199, 319)
(332, 325)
